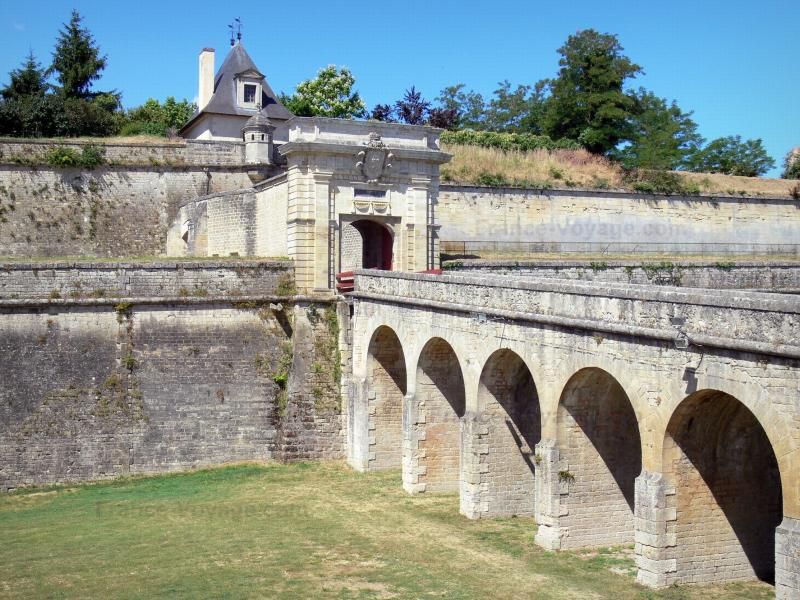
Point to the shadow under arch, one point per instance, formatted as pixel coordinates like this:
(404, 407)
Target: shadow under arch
(728, 492)
(598, 437)
(440, 401)
(387, 386)
(508, 405)
(366, 244)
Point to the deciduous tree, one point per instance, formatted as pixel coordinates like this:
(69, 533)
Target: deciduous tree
(329, 94)
(662, 136)
(587, 101)
(732, 156)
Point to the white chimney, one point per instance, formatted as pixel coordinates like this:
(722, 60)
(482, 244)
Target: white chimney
(206, 78)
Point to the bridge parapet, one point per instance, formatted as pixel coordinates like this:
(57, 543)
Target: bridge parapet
(739, 320)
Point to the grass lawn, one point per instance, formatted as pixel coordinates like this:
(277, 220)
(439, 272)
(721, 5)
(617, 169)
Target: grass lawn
(291, 531)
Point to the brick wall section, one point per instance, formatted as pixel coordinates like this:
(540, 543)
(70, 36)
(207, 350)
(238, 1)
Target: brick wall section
(718, 275)
(510, 411)
(599, 439)
(728, 492)
(385, 400)
(110, 211)
(232, 224)
(92, 388)
(178, 153)
(86, 280)
(440, 393)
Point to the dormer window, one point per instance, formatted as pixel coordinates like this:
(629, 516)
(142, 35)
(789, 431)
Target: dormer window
(248, 92)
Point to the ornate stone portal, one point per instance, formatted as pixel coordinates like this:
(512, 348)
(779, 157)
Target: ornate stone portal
(351, 194)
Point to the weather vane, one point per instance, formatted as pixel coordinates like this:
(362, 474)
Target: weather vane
(236, 30)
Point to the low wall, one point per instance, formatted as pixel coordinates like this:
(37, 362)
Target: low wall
(87, 280)
(764, 276)
(202, 153)
(94, 387)
(596, 221)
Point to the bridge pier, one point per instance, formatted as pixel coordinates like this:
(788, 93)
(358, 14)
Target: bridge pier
(654, 545)
(549, 489)
(413, 451)
(474, 451)
(787, 559)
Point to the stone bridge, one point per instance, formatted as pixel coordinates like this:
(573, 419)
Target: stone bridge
(667, 418)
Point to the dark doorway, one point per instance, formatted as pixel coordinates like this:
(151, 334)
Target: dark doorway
(366, 245)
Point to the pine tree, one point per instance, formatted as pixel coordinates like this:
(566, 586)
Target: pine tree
(28, 81)
(76, 59)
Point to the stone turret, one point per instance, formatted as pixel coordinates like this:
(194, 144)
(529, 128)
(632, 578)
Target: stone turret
(257, 136)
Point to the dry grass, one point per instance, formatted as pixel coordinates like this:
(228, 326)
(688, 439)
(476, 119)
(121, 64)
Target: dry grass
(579, 168)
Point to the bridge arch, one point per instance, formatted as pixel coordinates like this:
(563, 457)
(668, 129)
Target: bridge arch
(601, 456)
(728, 491)
(387, 388)
(508, 427)
(433, 420)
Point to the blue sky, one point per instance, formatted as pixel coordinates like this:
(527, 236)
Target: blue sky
(734, 63)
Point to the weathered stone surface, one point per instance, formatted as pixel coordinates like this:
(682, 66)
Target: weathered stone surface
(95, 388)
(641, 439)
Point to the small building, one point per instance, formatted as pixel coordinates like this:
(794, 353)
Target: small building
(225, 101)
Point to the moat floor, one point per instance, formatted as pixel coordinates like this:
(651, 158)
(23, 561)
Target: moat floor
(296, 531)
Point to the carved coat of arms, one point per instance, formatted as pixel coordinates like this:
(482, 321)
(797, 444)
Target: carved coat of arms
(374, 159)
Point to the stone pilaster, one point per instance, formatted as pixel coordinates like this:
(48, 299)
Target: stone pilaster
(413, 453)
(358, 422)
(654, 536)
(474, 450)
(549, 490)
(787, 559)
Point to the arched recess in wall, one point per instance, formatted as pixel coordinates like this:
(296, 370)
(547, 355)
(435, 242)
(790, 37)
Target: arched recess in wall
(508, 405)
(366, 244)
(386, 371)
(598, 438)
(728, 495)
(440, 397)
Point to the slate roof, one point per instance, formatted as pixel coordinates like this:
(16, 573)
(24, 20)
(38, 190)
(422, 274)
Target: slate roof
(223, 100)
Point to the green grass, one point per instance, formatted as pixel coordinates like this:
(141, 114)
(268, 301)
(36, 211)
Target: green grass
(297, 531)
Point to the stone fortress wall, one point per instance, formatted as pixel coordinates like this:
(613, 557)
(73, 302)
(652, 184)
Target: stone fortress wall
(111, 369)
(597, 221)
(123, 208)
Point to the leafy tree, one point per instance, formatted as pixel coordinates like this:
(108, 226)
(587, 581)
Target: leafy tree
(154, 118)
(515, 111)
(468, 105)
(76, 60)
(412, 108)
(30, 80)
(444, 118)
(791, 165)
(731, 156)
(587, 101)
(329, 94)
(382, 112)
(662, 135)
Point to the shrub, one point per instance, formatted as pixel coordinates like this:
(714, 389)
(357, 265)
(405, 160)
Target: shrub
(63, 157)
(659, 182)
(492, 179)
(506, 141)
